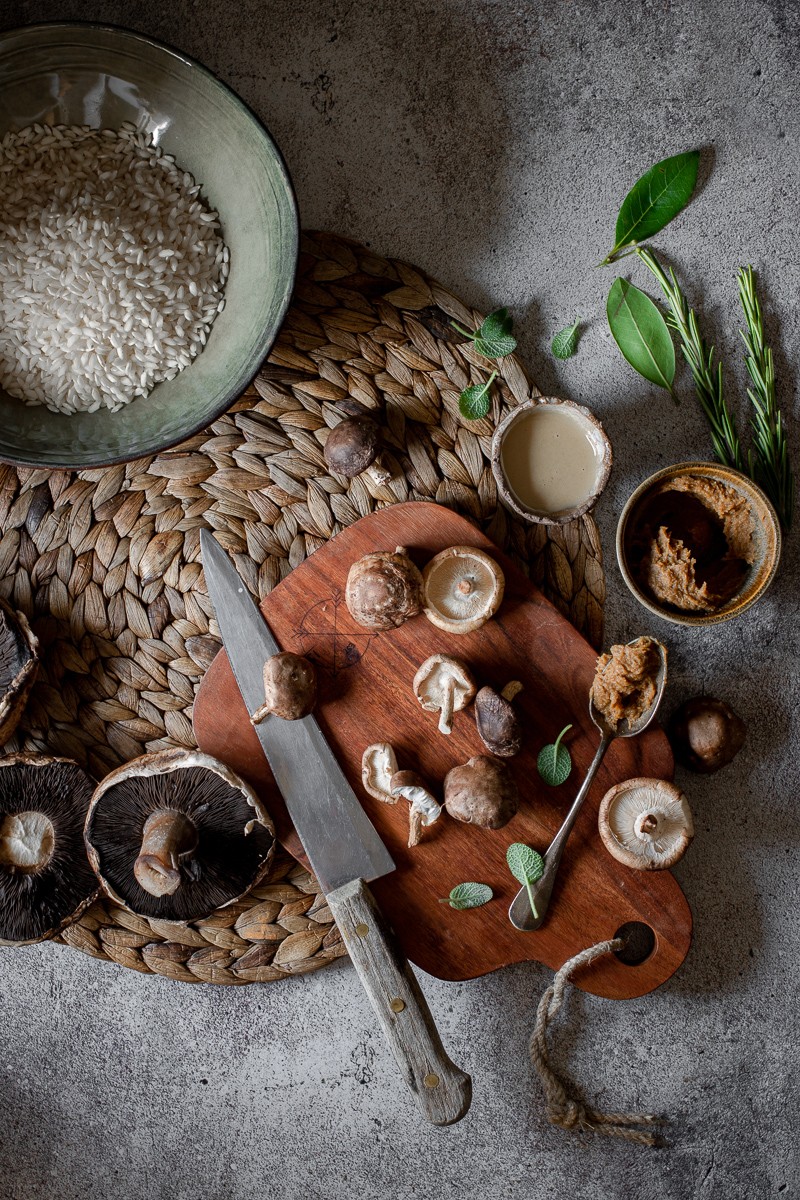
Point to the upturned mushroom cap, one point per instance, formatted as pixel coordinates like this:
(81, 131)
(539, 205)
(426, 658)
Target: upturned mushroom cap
(378, 765)
(444, 685)
(463, 588)
(646, 823)
(290, 687)
(352, 446)
(184, 826)
(45, 878)
(383, 590)
(706, 734)
(497, 721)
(19, 663)
(481, 792)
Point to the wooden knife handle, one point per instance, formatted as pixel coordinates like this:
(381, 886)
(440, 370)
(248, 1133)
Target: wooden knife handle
(443, 1092)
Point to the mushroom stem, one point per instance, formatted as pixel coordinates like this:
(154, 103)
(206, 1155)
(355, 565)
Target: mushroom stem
(27, 841)
(378, 471)
(646, 824)
(511, 690)
(464, 587)
(167, 837)
(446, 711)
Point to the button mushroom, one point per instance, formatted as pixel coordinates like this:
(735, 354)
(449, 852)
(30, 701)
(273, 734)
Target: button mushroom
(481, 792)
(290, 688)
(354, 445)
(424, 808)
(645, 823)
(19, 662)
(383, 590)
(463, 588)
(706, 734)
(444, 685)
(378, 765)
(176, 835)
(45, 878)
(497, 721)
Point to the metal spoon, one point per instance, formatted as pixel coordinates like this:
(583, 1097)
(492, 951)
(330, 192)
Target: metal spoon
(520, 911)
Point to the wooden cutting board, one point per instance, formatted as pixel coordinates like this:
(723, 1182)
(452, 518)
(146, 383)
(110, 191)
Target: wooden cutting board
(366, 696)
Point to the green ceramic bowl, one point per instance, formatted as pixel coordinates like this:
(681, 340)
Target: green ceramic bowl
(102, 76)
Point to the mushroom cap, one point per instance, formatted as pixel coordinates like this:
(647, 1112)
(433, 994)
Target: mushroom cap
(290, 685)
(498, 724)
(706, 734)
(19, 663)
(45, 878)
(383, 590)
(378, 765)
(236, 837)
(646, 823)
(444, 684)
(463, 588)
(352, 445)
(481, 792)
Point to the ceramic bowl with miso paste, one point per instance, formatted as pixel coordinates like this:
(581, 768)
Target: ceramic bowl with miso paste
(551, 460)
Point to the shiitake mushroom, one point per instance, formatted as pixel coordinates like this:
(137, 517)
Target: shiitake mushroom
(706, 734)
(383, 590)
(45, 878)
(19, 663)
(176, 835)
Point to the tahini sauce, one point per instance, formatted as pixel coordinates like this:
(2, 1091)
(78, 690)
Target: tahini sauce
(550, 459)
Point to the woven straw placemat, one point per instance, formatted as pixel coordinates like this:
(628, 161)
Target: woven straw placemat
(106, 563)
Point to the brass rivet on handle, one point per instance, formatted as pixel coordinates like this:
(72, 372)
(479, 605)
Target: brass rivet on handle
(397, 1005)
(431, 1081)
(362, 929)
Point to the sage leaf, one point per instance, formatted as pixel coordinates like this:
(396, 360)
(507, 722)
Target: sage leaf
(641, 333)
(524, 863)
(555, 762)
(469, 895)
(475, 401)
(527, 866)
(494, 338)
(655, 199)
(565, 343)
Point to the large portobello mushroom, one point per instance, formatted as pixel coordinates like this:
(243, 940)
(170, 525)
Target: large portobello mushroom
(176, 835)
(19, 662)
(45, 878)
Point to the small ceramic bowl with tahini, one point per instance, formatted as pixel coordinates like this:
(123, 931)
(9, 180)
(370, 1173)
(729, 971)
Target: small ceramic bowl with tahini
(551, 459)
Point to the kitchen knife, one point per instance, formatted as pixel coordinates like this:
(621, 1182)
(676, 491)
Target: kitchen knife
(343, 847)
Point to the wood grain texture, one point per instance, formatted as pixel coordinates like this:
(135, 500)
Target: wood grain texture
(442, 1091)
(366, 696)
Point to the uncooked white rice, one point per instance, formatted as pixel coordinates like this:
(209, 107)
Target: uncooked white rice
(112, 268)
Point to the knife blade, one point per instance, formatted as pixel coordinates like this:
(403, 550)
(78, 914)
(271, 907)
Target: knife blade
(343, 847)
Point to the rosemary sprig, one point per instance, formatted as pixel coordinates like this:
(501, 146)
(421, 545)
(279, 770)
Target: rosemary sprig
(700, 357)
(769, 458)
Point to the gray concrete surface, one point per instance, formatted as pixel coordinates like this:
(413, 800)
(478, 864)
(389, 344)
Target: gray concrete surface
(491, 143)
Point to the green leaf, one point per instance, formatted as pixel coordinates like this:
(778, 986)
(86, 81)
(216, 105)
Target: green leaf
(554, 762)
(494, 338)
(655, 199)
(469, 895)
(565, 343)
(525, 864)
(475, 401)
(641, 333)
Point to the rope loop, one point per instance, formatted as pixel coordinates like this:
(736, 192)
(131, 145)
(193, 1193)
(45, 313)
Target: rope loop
(565, 1110)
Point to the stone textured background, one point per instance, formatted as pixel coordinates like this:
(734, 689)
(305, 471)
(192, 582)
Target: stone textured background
(491, 143)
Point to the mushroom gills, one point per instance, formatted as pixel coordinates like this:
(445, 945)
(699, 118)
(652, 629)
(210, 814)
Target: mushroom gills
(463, 589)
(424, 808)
